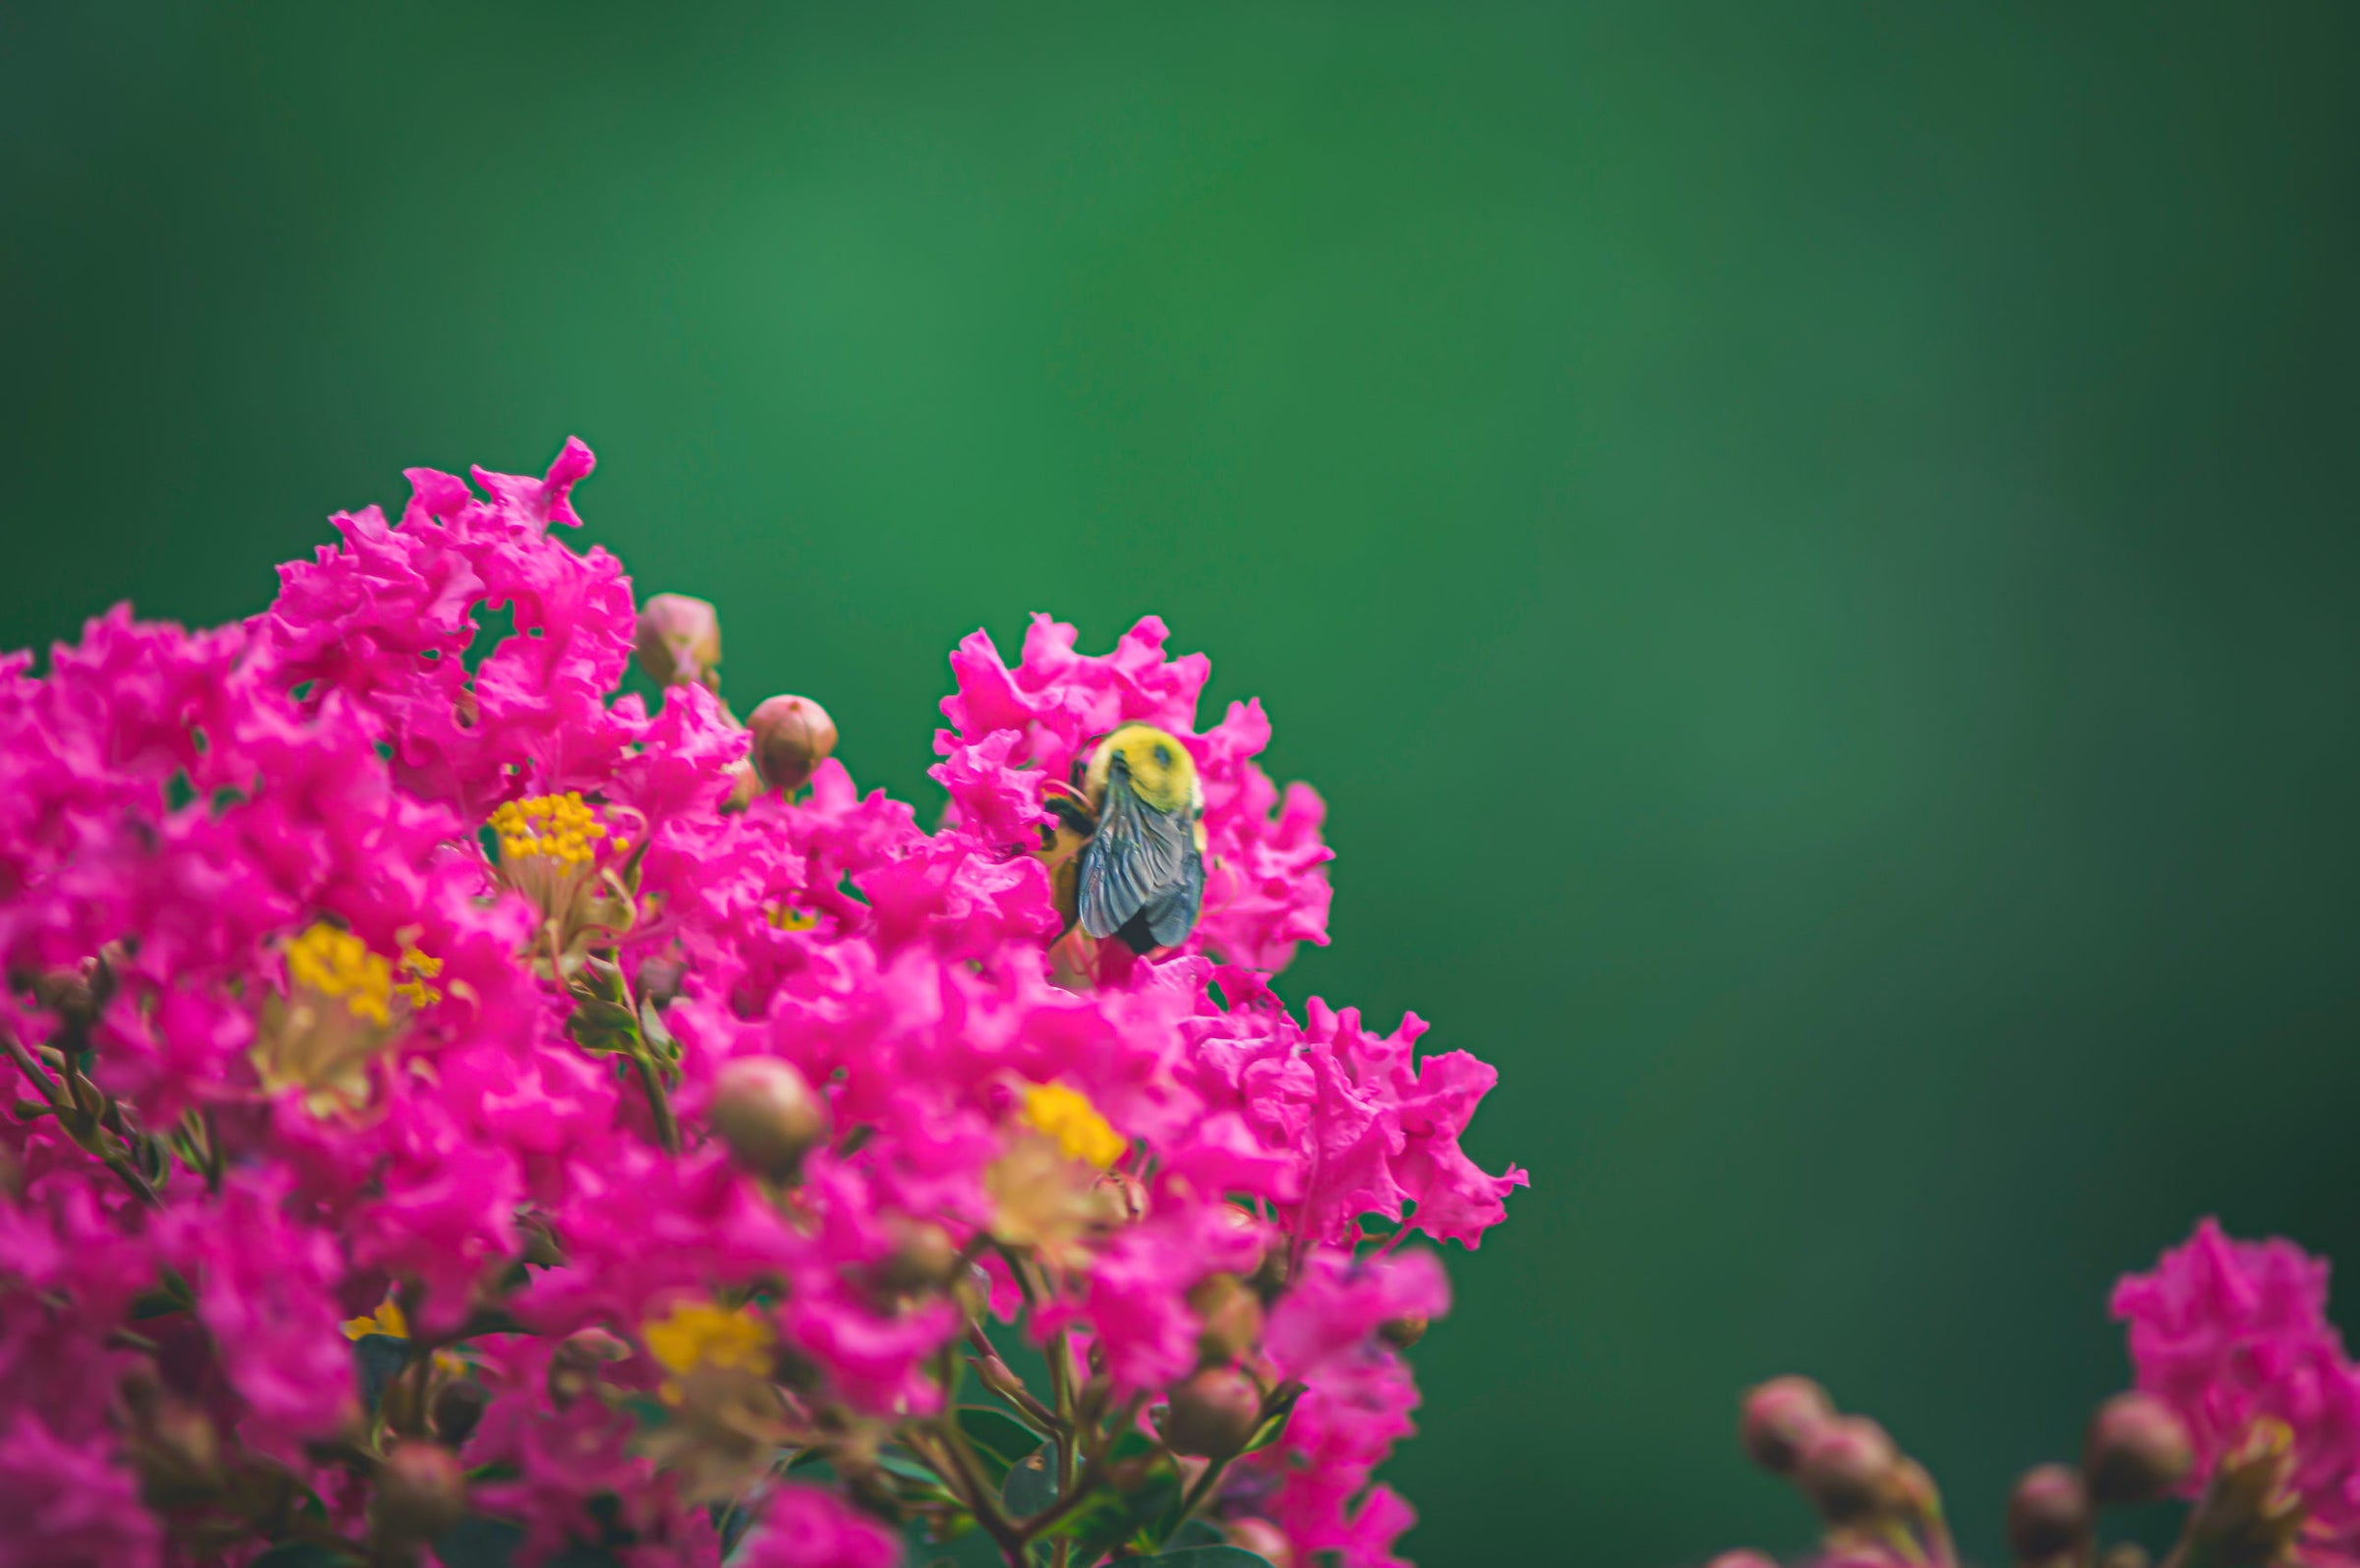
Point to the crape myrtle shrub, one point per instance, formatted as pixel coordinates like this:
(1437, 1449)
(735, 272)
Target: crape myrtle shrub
(463, 1116)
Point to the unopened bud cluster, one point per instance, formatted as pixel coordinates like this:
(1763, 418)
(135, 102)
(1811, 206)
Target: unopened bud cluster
(2249, 1408)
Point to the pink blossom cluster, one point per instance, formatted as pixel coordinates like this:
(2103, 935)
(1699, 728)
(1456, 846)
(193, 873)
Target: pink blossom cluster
(2231, 1333)
(449, 1091)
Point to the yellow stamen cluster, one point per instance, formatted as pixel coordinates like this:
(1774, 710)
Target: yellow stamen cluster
(561, 827)
(416, 969)
(1067, 1116)
(784, 918)
(337, 964)
(701, 1336)
(387, 1319)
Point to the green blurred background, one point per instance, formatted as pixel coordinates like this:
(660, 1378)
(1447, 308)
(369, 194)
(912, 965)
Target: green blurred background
(1810, 548)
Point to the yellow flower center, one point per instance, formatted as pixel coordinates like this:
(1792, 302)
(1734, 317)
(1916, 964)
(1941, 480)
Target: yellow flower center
(699, 1335)
(562, 828)
(387, 1319)
(784, 918)
(337, 964)
(1067, 1116)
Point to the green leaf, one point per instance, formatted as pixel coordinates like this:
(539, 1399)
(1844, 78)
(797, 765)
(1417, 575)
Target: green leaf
(1000, 1439)
(1270, 1431)
(1204, 1557)
(299, 1554)
(908, 1468)
(1196, 1532)
(1031, 1483)
(1115, 1520)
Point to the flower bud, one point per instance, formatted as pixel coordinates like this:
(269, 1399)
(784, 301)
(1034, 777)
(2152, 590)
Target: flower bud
(1230, 1319)
(2048, 1514)
(542, 1247)
(1404, 1333)
(1742, 1559)
(745, 784)
(1264, 1539)
(678, 641)
(767, 1115)
(1847, 1469)
(1777, 1419)
(1126, 1196)
(177, 1454)
(573, 1367)
(923, 1258)
(793, 736)
(458, 1407)
(421, 1494)
(69, 994)
(2138, 1451)
(1212, 1414)
(2127, 1554)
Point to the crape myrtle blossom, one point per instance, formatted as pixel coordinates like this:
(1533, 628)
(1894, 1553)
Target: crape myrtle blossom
(2246, 1404)
(452, 1096)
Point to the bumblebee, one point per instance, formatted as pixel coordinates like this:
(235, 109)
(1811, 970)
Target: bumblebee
(1127, 853)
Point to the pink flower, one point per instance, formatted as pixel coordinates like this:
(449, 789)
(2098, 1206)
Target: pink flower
(2227, 1331)
(803, 1527)
(69, 1506)
(266, 1292)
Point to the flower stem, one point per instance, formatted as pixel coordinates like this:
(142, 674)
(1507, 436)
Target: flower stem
(659, 1102)
(81, 1125)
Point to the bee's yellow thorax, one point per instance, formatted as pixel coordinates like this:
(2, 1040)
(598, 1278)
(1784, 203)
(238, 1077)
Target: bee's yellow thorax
(1161, 772)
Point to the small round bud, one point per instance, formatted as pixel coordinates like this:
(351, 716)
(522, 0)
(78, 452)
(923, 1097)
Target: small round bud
(660, 981)
(1230, 1315)
(1777, 1419)
(69, 994)
(923, 1257)
(458, 1407)
(1264, 1539)
(1742, 1559)
(2138, 1451)
(767, 1115)
(793, 736)
(678, 640)
(542, 1247)
(573, 1367)
(1212, 1414)
(1125, 1195)
(2048, 1514)
(745, 784)
(2128, 1554)
(421, 1494)
(1847, 1469)
(1404, 1333)
(177, 1454)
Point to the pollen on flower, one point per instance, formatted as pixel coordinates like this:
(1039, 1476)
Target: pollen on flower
(337, 964)
(701, 1336)
(561, 827)
(1067, 1116)
(417, 970)
(784, 917)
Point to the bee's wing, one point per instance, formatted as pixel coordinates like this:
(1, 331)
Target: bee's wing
(1139, 855)
(1173, 916)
